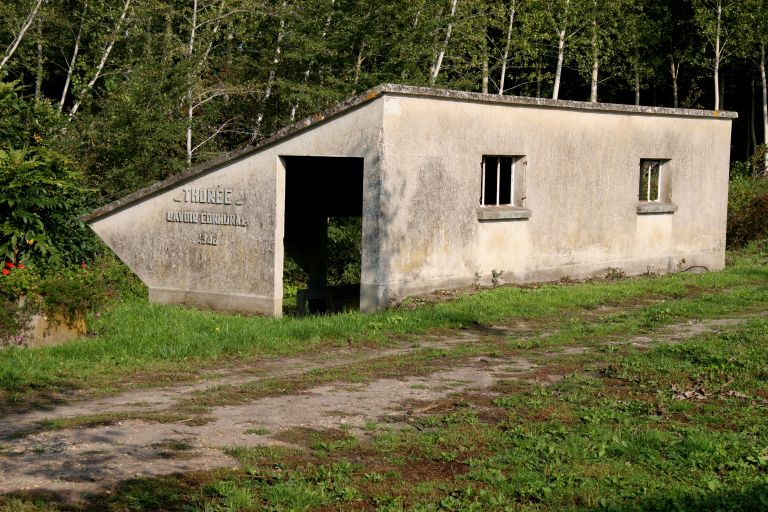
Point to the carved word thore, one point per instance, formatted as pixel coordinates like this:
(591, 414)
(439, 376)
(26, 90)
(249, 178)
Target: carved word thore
(208, 195)
(220, 196)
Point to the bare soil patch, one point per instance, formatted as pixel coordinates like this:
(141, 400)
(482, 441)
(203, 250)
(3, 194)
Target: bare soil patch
(75, 460)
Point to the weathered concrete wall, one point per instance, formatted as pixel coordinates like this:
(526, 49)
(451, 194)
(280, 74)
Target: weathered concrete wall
(423, 226)
(167, 240)
(582, 181)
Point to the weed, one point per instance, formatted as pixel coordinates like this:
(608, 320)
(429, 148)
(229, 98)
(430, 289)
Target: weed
(258, 431)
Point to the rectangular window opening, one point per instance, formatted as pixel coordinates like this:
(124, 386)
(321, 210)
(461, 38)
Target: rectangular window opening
(650, 180)
(503, 181)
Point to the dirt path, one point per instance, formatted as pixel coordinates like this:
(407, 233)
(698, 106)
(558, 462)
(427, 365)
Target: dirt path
(77, 460)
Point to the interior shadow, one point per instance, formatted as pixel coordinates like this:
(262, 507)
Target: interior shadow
(319, 190)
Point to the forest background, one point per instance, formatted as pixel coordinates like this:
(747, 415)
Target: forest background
(102, 97)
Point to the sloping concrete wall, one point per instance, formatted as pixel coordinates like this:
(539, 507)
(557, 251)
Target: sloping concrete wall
(582, 182)
(180, 249)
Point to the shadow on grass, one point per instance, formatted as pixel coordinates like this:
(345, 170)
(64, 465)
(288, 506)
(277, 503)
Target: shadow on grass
(168, 493)
(191, 491)
(748, 499)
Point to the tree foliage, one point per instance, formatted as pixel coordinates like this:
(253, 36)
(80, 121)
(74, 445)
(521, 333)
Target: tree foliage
(41, 190)
(153, 87)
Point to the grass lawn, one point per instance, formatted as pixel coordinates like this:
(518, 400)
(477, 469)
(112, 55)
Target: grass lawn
(671, 427)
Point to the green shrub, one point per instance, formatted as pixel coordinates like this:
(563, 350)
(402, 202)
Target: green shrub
(41, 191)
(70, 292)
(73, 292)
(16, 281)
(747, 210)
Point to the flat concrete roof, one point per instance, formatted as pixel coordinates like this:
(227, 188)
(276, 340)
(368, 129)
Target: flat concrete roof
(393, 90)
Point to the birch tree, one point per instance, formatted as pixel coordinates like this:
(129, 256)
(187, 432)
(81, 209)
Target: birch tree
(21, 33)
(75, 52)
(756, 28)
(435, 69)
(561, 15)
(113, 36)
(505, 56)
(715, 19)
(272, 72)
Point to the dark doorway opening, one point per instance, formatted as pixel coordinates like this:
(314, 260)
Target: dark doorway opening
(323, 232)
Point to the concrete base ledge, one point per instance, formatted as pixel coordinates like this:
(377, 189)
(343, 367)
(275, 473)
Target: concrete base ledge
(379, 296)
(645, 208)
(230, 302)
(502, 213)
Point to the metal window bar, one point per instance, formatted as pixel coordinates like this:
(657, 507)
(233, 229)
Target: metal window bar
(650, 180)
(496, 201)
(498, 179)
(482, 182)
(512, 168)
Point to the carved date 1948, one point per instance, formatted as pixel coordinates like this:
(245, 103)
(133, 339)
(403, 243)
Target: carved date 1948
(208, 239)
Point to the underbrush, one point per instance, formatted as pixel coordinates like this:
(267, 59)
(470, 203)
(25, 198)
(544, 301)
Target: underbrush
(747, 210)
(671, 427)
(142, 343)
(66, 293)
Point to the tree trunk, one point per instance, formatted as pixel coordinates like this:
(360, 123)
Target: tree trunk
(486, 78)
(505, 57)
(765, 100)
(717, 55)
(637, 84)
(559, 68)
(75, 52)
(561, 34)
(17, 40)
(271, 75)
(359, 63)
(637, 77)
(308, 71)
(190, 99)
(538, 76)
(439, 60)
(39, 71)
(595, 56)
(751, 132)
(675, 69)
(103, 61)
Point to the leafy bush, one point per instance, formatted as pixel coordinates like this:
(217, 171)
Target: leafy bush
(69, 293)
(747, 210)
(16, 281)
(73, 292)
(41, 190)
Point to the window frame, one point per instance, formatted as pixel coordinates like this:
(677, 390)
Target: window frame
(662, 202)
(517, 165)
(497, 210)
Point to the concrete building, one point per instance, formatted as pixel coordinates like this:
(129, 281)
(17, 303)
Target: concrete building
(451, 187)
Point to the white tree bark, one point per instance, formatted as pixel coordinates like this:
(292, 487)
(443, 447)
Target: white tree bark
(637, 78)
(765, 100)
(505, 57)
(561, 35)
(271, 76)
(595, 56)
(190, 92)
(75, 52)
(359, 63)
(39, 71)
(308, 71)
(441, 54)
(17, 40)
(718, 54)
(191, 103)
(103, 61)
(675, 70)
